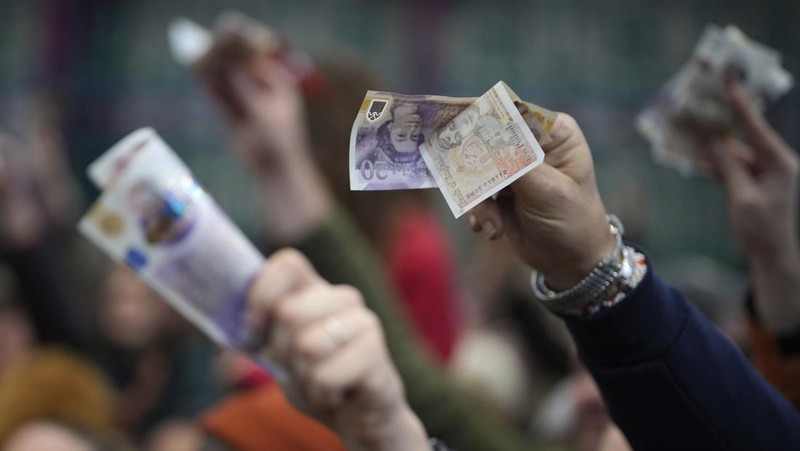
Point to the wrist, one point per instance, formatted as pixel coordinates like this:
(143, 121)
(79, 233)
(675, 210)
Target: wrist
(605, 285)
(275, 158)
(400, 430)
(602, 244)
(782, 261)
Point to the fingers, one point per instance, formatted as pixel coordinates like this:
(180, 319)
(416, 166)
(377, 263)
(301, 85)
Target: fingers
(273, 75)
(320, 338)
(349, 368)
(565, 131)
(316, 304)
(246, 89)
(328, 341)
(733, 167)
(284, 273)
(764, 139)
(487, 220)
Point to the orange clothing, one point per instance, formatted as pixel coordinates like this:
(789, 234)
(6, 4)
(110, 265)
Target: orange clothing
(782, 371)
(262, 418)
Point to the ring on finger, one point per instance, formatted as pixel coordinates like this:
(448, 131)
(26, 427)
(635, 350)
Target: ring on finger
(335, 330)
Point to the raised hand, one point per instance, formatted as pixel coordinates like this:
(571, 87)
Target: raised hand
(333, 348)
(553, 215)
(760, 174)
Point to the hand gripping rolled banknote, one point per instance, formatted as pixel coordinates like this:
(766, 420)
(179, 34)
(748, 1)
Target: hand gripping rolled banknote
(692, 108)
(234, 40)
(154, 217)
(469, 148)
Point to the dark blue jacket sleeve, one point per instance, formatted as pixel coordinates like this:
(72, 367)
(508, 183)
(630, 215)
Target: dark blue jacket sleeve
(673, 382)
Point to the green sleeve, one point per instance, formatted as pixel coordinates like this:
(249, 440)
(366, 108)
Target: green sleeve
(341, 255)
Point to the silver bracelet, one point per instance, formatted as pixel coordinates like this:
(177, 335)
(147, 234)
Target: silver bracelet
(586, 295)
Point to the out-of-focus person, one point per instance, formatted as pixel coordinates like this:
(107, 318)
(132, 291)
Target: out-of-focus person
(272, 119)
(667, 375)
(270, 134)
(56, 398)
(760, 175)
(333, 349)
(162, 371)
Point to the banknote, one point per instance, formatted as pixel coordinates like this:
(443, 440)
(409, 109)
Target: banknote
(390, 128)
(481, 150)
(234, 40)
(154, 217)
(692, 108)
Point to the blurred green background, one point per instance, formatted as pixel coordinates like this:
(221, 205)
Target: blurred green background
(107, 64)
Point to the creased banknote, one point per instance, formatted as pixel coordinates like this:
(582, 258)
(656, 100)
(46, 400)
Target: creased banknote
(481, 150)
(235, 40)
(390, 128)
(692, 108)
(154, 217)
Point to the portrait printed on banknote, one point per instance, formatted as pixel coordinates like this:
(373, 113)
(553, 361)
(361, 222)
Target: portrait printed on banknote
(387, 134)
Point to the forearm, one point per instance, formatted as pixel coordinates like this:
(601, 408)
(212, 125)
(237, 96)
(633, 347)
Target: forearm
(402, 432)
(341, 255)
(296, 199)
(667, 375)
(776, 289)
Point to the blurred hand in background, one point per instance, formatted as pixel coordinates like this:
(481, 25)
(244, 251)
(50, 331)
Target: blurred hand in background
(760, 175)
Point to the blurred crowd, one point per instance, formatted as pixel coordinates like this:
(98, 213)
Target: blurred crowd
(91, 358)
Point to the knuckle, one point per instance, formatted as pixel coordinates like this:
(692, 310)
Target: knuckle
(286, 314)
(307, 346)
(291, 259)
(793, 164)
(567, 120)
(372, 320)
(351, 294)
(321, 381)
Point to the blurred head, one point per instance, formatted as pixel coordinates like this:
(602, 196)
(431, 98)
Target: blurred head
(131, 315)
(16, 337)
(48, 436)
(175, 435)
(57, 386)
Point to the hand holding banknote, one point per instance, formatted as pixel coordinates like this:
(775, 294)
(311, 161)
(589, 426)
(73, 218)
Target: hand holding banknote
(692, 108)
(760, 175)
(333, 348)
(271, 138)
(272, 126)
(553, 216)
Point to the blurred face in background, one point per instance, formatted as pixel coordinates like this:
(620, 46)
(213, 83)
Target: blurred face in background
(16, 338)
(131, 316)
(43, 436)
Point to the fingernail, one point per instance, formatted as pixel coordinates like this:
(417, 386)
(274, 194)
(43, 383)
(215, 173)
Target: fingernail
(473, 223)
(488, 229)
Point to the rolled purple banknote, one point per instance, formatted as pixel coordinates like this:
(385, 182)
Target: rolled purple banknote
(154, 217)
